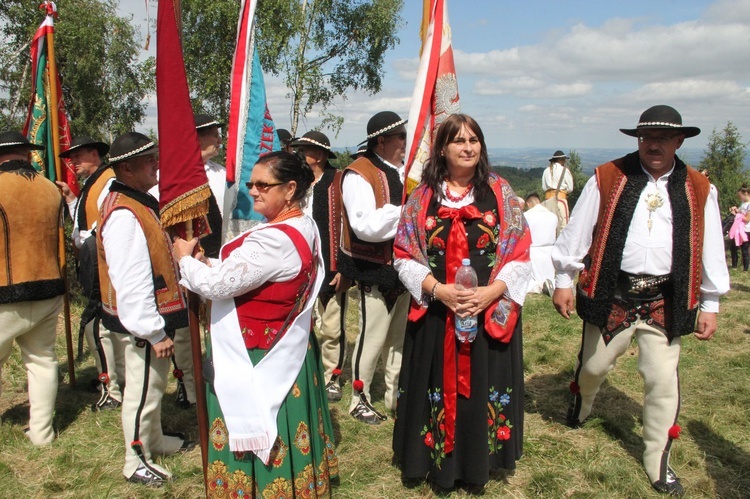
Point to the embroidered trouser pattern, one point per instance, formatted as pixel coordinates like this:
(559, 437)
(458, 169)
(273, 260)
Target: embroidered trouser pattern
(381, 336)
(657, 364)
(183, 361)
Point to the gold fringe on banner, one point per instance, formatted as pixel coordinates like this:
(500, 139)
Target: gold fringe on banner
(189, 206)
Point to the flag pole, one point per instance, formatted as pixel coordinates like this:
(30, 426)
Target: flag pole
(52, 82)
(195, 331)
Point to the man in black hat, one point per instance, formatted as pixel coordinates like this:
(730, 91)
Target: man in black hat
(141, 301)
(372, 189)
(646, 237)
(557, 181)
(87, 156)
(31, 288)
(323, 204)
(285, 139)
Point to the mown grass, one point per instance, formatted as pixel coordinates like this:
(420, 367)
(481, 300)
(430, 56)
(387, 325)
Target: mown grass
(600, 460)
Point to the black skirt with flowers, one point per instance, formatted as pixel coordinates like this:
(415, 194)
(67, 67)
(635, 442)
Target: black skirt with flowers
(489, 424)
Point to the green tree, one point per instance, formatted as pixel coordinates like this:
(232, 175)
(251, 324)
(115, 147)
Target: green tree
(579, 178)
(104, 85)
(724, 158)
(321, 49)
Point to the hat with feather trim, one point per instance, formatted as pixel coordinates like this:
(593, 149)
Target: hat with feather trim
(315, 139)
(131, 145)
(661, 117)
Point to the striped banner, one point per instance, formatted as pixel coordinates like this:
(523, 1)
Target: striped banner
(251, 131)
(38, 126)
(435, 94)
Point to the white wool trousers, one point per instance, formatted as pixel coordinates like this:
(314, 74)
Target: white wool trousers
(381, 336)
(330, 322)
(657, 363)
(141, 406)
(32, 325)
(114, 358)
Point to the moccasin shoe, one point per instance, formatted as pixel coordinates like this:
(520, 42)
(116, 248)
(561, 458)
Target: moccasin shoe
(147, 477)
(334, 391)
(363, 413)
(671, 486)
(108, 404)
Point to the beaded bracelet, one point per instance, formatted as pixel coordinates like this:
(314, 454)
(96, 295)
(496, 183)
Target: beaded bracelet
(434, 288)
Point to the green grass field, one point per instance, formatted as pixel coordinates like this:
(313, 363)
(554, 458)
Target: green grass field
(600, 460)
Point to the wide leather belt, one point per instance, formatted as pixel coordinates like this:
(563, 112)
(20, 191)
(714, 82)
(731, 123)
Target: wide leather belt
(642, 287)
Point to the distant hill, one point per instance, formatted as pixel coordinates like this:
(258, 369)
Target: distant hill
(527, 158)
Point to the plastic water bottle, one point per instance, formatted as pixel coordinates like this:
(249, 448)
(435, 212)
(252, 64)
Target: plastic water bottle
(466, 278)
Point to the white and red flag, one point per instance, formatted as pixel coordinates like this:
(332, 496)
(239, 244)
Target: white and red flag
(435, 91)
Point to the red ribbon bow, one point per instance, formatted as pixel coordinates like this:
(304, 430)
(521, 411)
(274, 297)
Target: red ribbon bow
(456, 371)
(49, 8)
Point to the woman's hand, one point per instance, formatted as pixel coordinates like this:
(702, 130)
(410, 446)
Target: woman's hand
(453, 298)
(481, 299)
(182, 248)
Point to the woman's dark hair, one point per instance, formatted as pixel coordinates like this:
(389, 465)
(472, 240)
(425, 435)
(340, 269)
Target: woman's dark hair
(744, 189)
(436, 168)
(285, 167)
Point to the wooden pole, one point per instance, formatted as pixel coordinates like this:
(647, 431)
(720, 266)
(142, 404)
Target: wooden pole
(52, 109)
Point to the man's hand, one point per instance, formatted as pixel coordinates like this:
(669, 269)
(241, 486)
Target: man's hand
(563, 301)
(706, 325)
(340, 283)
(164, 348)
(66, 192)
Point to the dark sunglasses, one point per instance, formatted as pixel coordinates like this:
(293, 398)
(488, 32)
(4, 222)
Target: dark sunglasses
(262, 186)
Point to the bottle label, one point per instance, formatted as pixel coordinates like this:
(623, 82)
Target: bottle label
(466, 324)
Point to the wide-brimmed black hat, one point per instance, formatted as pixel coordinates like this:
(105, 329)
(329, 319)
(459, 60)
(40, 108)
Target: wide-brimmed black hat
(131, 145)
(316, 139)
(85, 142)
(358, 153)
(661, 117)
(15, 140)
(382, 123)
(203, 121)
(559, 155)
(283, 135)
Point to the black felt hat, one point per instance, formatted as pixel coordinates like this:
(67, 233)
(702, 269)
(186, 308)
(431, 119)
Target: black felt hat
(203, 121)
(358, 153)
(283, 135)
(85, 142)
(382, 123)
(316, 139)
(559, 155)
(661, 118)
(131, 145)
(15, 140)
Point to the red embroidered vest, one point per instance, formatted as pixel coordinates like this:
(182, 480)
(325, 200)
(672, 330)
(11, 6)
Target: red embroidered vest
(263, 311)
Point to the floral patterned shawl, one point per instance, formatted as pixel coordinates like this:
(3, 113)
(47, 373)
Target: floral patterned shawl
(514, 244)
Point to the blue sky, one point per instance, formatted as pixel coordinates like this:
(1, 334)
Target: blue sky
(565, 74)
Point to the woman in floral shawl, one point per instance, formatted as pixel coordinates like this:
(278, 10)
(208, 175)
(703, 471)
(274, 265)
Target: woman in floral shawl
(460, 406)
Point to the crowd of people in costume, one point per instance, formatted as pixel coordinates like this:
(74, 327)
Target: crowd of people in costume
(277, 297)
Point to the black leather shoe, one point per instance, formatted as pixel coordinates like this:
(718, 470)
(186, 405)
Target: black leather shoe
(145, 476)
(671, 486)
(571, 420)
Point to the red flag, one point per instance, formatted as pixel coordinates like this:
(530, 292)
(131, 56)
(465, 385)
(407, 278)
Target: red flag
(183, 185)
(435, 92)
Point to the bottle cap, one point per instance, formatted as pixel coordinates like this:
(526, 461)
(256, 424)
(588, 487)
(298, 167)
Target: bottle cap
(466, 262)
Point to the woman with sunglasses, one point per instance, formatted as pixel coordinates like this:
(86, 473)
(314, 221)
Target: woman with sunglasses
(270, 429)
